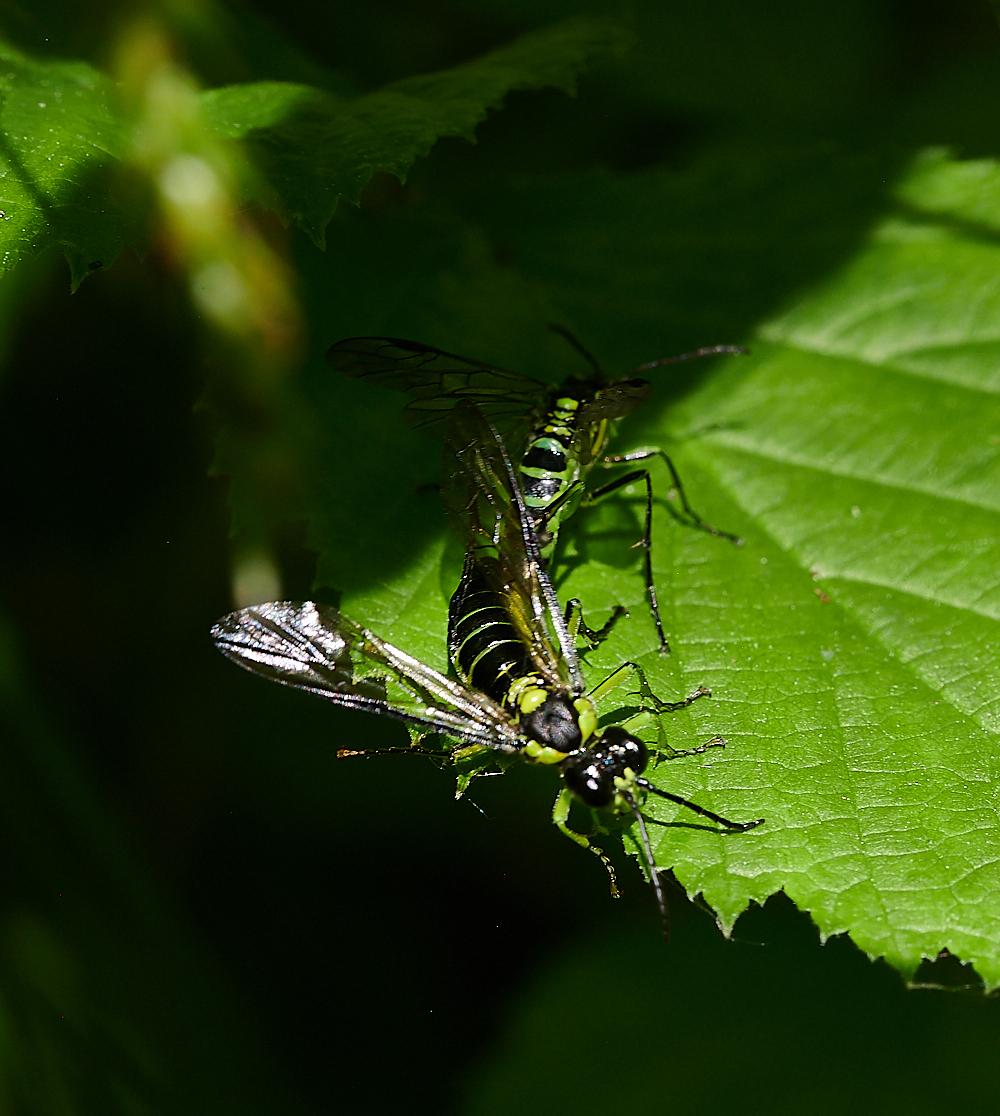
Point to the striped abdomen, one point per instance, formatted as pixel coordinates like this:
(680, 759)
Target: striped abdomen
(483, 644)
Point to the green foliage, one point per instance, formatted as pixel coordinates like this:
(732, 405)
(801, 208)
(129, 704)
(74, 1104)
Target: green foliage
(326, 148)
(857, 452)
(861, 445)
(59, 139)
(65, 138)
(849, 644)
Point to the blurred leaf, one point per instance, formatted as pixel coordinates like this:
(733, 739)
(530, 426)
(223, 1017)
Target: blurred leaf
(326, 148)
(962, 191)
(858, 452)
(62, 139)
(235, 110)
(59, 139)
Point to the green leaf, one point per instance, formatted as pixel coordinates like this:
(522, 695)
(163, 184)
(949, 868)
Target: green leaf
(858, 449)
(327, 148)
(959, 191)
(850, 644)
(62, 139)
(59, 141)
(235, 110)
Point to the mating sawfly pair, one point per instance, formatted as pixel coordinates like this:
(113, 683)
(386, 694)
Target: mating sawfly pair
(517, 687)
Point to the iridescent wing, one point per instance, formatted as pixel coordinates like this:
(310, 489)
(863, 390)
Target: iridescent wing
(315, 648)
(482, 496)
(439, 381)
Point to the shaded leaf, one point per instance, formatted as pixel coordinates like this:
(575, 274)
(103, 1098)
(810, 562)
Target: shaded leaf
(235, 110)
(326, 148)
(63, 139)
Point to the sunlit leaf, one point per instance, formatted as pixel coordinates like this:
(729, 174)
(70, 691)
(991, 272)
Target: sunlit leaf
(858, 451)
(59, 140)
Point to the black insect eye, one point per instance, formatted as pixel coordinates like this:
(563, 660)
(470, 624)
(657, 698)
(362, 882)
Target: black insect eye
(622, 750)
(589, 781)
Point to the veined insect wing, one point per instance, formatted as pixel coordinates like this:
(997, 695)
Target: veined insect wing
(305, 646)
(437, 381)
(318, 649)
(404, 365)
(615, 401)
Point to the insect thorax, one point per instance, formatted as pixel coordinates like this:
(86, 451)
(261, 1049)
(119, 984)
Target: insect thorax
(556, 723)
(553, 462)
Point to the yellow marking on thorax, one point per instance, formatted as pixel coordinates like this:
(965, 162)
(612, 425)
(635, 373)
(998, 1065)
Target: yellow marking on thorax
(587, 717)
(540, 754)
(526, 694)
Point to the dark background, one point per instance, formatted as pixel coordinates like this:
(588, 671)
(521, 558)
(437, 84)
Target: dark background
(239, 921)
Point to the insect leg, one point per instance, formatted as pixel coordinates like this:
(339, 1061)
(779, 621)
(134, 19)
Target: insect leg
(675, 753)
(697, 521)
(650, 702)
(576, 625)
(654, 874)
(560, 816)
(558, 504)
(413, 750)
(740, 827)
(659, 706)
(644, 693)
(697, 354)
(646, 542)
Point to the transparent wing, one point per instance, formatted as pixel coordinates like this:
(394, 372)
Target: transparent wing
(315, 648)
(438, 381)
(613, 401)
(482, 496)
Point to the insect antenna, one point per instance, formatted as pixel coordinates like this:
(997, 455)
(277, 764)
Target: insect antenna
(654, 876)
(563, 332)
(740, 827)
(710, 350)
(413, 750)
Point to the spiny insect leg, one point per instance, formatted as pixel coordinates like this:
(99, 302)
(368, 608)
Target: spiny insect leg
(646, 542)
(578, 627)
(739, 827)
